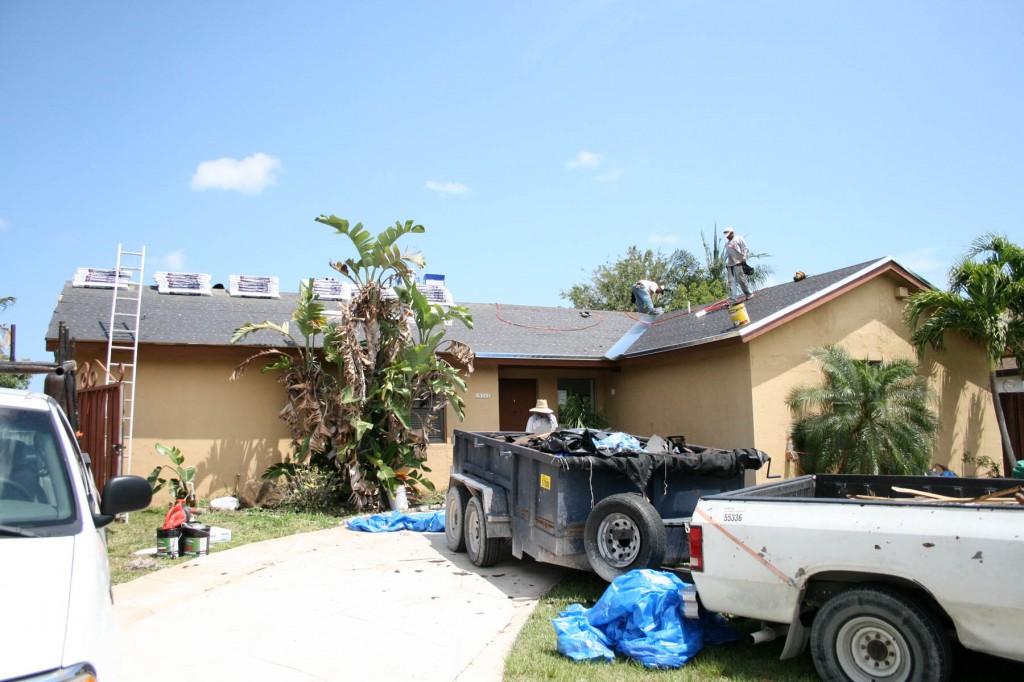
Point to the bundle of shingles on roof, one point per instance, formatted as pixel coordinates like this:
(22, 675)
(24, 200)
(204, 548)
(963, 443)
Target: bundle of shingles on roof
(1008, 496)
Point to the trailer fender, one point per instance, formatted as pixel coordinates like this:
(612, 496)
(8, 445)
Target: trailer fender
(494, 500)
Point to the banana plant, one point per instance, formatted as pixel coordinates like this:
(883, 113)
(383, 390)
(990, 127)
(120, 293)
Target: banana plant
(352, 379)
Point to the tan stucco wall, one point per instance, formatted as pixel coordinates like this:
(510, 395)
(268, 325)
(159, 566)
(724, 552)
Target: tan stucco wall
(701, 394)
(229, 430)
(867, 321)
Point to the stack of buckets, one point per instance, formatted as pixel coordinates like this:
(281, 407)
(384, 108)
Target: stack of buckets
(179, 536)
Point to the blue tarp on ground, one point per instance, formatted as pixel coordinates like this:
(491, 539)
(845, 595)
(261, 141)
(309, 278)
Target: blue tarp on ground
(639, 616)
(423, 522)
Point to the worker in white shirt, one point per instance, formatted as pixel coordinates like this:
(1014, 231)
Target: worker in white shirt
(643, 292)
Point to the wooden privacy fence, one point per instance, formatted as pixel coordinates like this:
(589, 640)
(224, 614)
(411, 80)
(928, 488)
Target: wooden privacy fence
(99, 410)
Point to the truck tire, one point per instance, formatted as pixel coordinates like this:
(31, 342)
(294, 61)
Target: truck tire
(624, 532)
(483, 551)
(454, 515)
(872, 633)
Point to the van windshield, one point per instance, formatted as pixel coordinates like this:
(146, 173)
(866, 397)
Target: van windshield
(35, 492)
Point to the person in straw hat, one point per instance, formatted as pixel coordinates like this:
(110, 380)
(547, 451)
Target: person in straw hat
(542, 420)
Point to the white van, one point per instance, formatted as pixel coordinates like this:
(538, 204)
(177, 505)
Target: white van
(58, 621)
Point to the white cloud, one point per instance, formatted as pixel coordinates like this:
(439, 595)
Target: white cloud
(610, 175)
(251, 175)
(447, 187)
(3, 224)
(664, 239)
(584, 160)
(174, 261)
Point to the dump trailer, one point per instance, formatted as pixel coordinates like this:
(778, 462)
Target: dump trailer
(568, 498)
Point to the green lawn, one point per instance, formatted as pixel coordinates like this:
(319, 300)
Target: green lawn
(246, 525)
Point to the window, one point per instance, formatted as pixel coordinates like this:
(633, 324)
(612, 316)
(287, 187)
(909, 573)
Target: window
(424, 415)
(581, 388)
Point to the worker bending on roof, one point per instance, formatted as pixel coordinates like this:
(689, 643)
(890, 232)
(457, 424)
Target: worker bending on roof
(542, 420)
(643, 291)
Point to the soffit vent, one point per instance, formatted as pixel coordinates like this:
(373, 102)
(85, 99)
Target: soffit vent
(253, 286)
(186, 283)
(101, 278)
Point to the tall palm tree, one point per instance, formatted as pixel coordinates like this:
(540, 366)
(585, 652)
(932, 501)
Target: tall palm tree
(985, 303)
(865, 418)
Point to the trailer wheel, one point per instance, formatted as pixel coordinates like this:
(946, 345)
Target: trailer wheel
(483, 551)
(624, 532)
(454, 515)
(869, 633)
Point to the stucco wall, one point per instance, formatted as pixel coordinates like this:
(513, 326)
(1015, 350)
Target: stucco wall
(867, 321)
(229, 430)
(701, 394)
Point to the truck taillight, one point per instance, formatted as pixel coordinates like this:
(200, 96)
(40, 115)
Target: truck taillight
(696, 548)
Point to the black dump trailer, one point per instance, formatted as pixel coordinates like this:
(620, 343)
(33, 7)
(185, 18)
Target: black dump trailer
(592, 500)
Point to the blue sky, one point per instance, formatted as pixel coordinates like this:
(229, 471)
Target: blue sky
(534, 140)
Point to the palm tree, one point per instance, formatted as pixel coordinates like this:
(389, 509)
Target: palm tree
(985, 303)
(865, 418)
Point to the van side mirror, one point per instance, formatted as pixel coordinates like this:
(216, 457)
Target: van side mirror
(122, 494)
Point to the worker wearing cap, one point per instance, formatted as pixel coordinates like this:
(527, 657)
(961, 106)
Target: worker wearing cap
(643, 290)
(736, 253)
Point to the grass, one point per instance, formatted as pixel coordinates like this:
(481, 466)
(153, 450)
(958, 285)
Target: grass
(246, 525)
(535, 655)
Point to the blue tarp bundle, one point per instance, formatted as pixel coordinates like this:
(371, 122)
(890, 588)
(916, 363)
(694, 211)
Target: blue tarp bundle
(423, 522)
(639, 616)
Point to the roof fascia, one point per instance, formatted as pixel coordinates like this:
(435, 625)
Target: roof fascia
(887, 264)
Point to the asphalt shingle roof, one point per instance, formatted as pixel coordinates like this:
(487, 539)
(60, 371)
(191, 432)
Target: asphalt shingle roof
(680, 329)
(500, 331)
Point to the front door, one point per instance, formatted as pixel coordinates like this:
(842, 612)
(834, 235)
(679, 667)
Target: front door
(515, 398)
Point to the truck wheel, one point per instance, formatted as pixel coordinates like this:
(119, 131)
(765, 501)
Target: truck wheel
(483, 551)
(868, 633)
(454, 514)
(624, 532)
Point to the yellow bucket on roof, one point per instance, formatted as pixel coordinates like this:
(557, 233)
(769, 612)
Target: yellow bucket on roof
(738, 313)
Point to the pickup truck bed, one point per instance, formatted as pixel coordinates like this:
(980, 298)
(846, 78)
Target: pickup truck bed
(841, 570)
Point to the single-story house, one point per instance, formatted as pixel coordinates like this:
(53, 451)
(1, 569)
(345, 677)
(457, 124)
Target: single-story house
(686, 372)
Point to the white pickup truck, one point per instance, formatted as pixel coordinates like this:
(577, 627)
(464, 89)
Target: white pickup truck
(879, 580)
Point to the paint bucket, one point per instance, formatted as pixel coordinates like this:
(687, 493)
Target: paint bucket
(195, 539)
(738, 313)
(399, 501)
(167, 542)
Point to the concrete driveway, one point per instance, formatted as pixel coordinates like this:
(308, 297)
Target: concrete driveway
(329, 605)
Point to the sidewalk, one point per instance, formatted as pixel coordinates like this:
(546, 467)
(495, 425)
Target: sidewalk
(328, 605)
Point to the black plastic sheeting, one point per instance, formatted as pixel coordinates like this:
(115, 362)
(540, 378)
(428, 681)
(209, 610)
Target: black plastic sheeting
(580, 450)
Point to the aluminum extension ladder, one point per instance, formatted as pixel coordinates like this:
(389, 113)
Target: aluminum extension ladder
(123, 339)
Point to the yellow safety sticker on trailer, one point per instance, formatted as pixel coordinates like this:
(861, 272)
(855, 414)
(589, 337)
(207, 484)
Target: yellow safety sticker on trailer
(545, 482)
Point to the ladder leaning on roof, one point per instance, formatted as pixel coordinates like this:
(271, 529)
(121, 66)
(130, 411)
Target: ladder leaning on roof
(123, 338)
